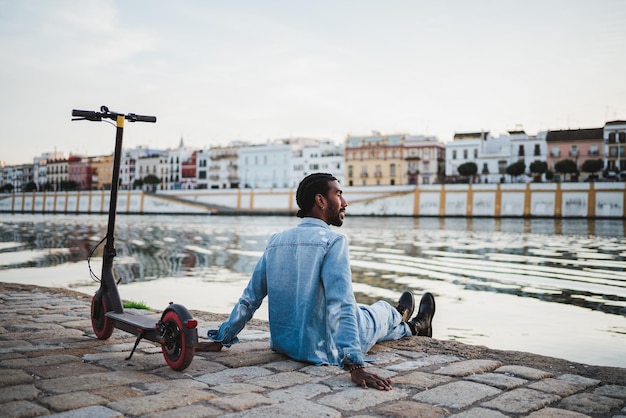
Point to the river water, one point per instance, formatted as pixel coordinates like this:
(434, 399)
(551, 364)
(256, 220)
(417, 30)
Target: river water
(551, 287)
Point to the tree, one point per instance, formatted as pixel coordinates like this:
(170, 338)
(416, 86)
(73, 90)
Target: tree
(138, 184)
(549, 175)
(69, 185)
(7, 188)
(592, 166)
(538, 168)
(566, 167)
(516, 169)
(152, 181)
(31, 186)
(468, 169)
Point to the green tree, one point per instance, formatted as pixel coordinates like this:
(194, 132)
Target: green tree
(152, 181)
(538, 168)
(549, 175)
(592, 166)
(138, 184)
(468, 170)
(69, 185)
(566, 167)
(31, 186)
(516, 169)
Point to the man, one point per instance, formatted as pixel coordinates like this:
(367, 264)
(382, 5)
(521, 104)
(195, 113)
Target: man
(313, 315)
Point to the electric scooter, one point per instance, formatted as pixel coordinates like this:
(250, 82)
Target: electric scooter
(176, 331)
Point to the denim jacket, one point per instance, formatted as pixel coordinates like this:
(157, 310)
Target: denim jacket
(305, 272)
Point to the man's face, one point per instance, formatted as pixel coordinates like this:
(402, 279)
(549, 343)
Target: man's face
(336, 210)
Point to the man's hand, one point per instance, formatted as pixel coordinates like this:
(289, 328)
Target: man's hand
(209, 346)
(367, 379)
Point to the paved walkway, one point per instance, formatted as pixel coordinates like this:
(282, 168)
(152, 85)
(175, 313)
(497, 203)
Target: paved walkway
(52, 364)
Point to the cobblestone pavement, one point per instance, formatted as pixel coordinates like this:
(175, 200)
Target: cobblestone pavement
(52, 364)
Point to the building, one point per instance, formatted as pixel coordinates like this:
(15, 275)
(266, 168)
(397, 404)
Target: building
(375, 160)
(217, 167)
(188, 172)
(529, 149)
(425, 160)
(493, 155)
(57, 173)
(614, 146)
(324, 156)
(101, 172)
(577, 145)
(266, 165)
(79, 172)
(465, 148)
(171, 178)
(150, 170)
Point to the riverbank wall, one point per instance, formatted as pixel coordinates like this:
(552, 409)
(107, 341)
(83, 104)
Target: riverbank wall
(548, 200)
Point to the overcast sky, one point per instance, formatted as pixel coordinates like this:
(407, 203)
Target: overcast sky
(217, 71)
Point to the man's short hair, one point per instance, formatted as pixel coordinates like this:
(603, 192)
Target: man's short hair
(310, 186)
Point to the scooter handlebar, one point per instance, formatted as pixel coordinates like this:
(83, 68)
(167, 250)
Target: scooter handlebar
(98, 116)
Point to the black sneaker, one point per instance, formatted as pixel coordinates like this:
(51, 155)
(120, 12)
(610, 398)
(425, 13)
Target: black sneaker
(406, 305)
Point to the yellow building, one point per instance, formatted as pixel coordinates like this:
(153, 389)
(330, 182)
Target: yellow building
(376, 160)
(102, 172)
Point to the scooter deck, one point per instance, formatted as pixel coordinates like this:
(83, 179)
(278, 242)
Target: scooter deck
(134, 320)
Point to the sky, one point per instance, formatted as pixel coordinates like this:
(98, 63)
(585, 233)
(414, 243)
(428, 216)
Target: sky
(213, 72)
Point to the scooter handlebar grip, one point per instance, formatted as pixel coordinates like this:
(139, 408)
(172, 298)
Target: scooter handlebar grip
(140, 118)
(87, 114)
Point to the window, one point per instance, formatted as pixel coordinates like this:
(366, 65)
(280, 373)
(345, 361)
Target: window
(537, 151)
(520, 151)
(573, 151)
(350, 172)
(465, 154)
(593, 149)
(475, 153)
(555, 151)
(379, 171)
(454, 154)
(392, 170)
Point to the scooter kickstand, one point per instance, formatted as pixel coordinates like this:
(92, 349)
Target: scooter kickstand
(139, 337)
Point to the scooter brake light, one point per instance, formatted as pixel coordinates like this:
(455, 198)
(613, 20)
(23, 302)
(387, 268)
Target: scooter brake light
(191, 323)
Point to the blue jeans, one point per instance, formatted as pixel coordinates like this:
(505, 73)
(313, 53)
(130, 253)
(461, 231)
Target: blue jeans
(380, 322)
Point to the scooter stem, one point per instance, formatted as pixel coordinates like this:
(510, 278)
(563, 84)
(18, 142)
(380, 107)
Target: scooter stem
(107, 277)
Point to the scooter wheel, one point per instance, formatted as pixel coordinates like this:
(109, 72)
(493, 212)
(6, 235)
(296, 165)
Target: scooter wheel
(102, 325)
(178, 354)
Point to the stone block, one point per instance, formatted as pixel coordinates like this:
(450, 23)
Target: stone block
(74, 400)
(355, 399)
(160, 402)
(456, 395)
(468, 367)
(591, 404)
(242, 401)
(524, 372)
(521, 401)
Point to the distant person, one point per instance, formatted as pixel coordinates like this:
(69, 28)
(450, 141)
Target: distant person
(313, 315)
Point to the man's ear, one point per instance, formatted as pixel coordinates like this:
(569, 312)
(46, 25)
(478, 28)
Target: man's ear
(320, 200)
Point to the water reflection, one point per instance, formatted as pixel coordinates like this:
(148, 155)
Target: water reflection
(570, 263)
